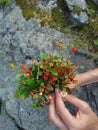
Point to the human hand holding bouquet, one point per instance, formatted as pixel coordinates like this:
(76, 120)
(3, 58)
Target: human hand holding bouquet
(40, 78)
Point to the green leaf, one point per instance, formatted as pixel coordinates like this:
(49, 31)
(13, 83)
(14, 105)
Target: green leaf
(96, 42)
(53, 71)
(19, 92)
(57, 59)
(30, 82)
(43, 56)
(35, 71)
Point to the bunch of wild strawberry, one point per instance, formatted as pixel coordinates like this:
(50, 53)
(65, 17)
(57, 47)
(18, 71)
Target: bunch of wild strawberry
(41, 78)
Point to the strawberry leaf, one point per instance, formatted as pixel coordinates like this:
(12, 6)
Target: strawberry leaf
(43, 56)
(53, 71)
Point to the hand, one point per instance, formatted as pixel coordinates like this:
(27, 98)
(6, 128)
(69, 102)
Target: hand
(85, 118)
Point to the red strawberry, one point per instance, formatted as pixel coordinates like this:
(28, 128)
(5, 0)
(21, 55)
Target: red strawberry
(51, 80)
(74, 49)
(59, 71)
(47, 103)
(47, 89)
(47, 73)
(28, 74)
(43, 87)
(46, 63)
(32, 93)
(68, 70)
(30, 68)
(23, 67)
(45, 78)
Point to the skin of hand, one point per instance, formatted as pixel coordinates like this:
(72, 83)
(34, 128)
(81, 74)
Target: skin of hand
(85, 78)
(85, 119)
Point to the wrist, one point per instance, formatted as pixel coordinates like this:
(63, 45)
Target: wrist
(96, 127)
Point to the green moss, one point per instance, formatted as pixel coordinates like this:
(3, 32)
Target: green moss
(78, 10)
(56, 17)
(92, 5)
(4, 3)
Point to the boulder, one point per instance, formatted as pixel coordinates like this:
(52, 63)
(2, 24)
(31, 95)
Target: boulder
(77, 10)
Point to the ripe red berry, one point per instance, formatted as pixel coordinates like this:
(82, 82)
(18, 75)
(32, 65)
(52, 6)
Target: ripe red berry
(51, 80)
(32, 93)
(43, 87)
(68, 82)
(47, 73)
(47, 103)
(59, 71)
(46, 62)
(71, 78)
(47, 89)
(30, 68)
(28, 74)
(45, 78)
(23, 67)
(74, 49)
(68, 70)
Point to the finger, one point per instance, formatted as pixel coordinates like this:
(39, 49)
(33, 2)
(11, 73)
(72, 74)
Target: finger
(54, 118)
(81, 105)
(65, 115)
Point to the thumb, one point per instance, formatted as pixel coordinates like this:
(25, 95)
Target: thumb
(80, 104)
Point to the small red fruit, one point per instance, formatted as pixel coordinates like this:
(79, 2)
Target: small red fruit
(46, 62)
(74, 49)
(47, 73)
(45, 78)
(43, 87)
(23, 67)
(30, 68)
(68, 82)
(47, 103)
(59, 71)
(32, 93)
(28, 74)
(51, 80)
(68, 70)
(47, 89)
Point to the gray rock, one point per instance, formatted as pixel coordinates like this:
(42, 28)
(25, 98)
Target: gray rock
(77, 10)
(79, 19)
(49, 5)
(76, 3)
(1, 14)
(7, 123)
(96, 2)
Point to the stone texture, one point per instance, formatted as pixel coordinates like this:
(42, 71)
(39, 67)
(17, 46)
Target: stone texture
(96, 2)
(79, 18)
(79, 3)
(47, 4)
(7, 123)
(77, 10)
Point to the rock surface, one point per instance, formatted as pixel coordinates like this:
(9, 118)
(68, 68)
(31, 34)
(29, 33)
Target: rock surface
(49, 5)
(77, 10)
(21, 40)
(96, 2)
